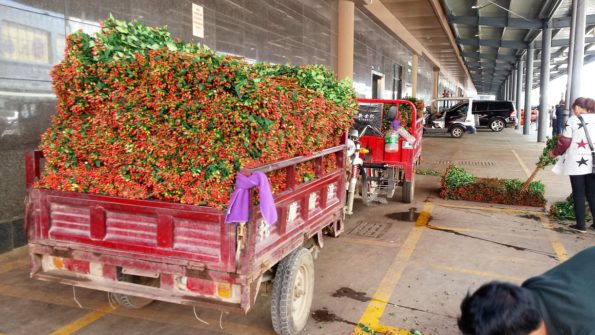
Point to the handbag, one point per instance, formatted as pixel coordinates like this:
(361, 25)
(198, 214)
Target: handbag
(590, 143)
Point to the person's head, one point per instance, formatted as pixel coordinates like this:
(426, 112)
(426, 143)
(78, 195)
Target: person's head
(499, 308)
(583, 105)
(562, 103)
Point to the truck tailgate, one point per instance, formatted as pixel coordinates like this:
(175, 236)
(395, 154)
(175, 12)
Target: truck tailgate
(139, 228)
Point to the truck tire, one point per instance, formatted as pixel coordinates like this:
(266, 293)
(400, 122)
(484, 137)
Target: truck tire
(409, 190)
(293, 289)
(131, 302)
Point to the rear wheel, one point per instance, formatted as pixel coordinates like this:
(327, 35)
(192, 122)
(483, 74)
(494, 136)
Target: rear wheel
(497, 125)
(293, 289)
(457, 131)
(409, 190)
(130, 301)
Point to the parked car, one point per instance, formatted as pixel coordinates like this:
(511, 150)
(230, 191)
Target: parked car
(494, 114)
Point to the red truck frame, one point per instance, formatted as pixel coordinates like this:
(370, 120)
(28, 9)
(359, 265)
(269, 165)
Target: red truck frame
(140, 250)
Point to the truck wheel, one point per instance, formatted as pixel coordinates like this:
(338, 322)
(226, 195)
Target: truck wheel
(457, 132)
(497, 125)
(293, 288)
(409, 190)
(131, 302)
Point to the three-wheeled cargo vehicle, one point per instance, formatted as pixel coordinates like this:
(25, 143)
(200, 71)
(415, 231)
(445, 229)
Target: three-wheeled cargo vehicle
(382, 171)
(140, 250)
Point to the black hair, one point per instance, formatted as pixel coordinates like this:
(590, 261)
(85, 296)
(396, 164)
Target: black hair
(499, 308)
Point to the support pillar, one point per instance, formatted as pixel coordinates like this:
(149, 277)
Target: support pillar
(506, 83)
(519, 92)
(414, 64)
(579, 49)
(435, 80)
(345, 39)
(528, 88)
(513, 82)
(546, 44)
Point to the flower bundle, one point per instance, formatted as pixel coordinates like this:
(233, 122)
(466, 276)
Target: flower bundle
(458, 184)
(141, 115)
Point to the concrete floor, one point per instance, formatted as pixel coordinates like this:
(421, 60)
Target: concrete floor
(384, 271)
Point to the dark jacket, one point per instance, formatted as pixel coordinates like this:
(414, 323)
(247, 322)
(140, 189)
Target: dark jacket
(566, 295)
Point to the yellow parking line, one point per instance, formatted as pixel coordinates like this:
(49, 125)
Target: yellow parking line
(388, 330)
(525, 168)
(176, 318)
(376, 306)
(561, 252)
(84, 321)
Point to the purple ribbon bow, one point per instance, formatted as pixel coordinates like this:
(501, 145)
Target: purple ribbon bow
(239, 205)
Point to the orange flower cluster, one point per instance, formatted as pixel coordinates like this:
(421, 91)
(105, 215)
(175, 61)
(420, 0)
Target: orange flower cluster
(141, 116)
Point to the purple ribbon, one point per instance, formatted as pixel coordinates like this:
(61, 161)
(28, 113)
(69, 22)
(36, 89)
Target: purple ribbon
(239, 205)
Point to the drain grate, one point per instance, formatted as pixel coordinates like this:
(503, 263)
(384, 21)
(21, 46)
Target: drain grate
(370, 229)
(464, 163)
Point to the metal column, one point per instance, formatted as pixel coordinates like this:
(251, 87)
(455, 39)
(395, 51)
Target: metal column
(528, 88)
(519, 91)
(546, 44)
(513, 82)
(570, 58)
(579, 50)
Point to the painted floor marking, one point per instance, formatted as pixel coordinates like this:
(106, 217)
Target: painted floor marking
(173, 318)
(561, 252)
(525, 168)
(83, 321)
(376, 306)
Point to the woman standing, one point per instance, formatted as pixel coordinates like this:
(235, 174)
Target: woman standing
(577, 159)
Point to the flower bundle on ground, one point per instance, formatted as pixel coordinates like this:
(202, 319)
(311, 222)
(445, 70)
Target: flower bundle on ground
(458, 184)
(564, 210)
(141, 115)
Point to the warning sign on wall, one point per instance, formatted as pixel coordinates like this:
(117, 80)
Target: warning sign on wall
(198, 22)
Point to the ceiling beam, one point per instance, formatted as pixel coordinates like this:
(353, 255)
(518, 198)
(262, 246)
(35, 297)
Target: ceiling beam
(510, 44)
(477, 55)
(499, 22)
(502, 21)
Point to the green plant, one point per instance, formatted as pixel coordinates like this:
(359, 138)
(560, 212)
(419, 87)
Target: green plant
(545, 159)
(456, 176)
(564, 210)
(537, 187)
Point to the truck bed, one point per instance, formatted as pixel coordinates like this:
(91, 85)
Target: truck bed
(188, 253)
